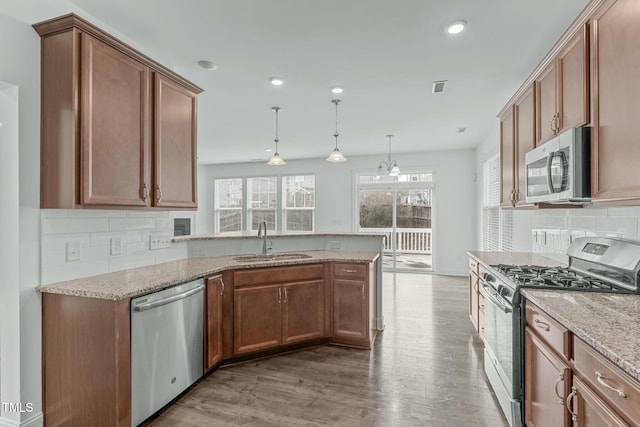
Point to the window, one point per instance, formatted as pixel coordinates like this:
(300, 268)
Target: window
(285, 203)
(497, 224)
(263, 201)
(228, 205)
(299, 194)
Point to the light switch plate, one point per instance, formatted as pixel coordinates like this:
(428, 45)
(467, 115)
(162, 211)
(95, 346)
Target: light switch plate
(73, 251)
(116, 246)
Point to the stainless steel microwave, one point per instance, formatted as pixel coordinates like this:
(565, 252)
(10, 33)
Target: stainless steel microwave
(559, 171)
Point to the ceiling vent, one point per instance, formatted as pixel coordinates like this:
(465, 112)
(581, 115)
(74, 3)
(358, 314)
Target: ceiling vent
(438, 86)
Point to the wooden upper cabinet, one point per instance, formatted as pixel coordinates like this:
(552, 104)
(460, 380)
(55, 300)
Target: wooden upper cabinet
(546, 104)
(114, 128)
(562, 89)
(507, 153)
(615, 52)
(101, 116)
(175, 144)
(525, 136)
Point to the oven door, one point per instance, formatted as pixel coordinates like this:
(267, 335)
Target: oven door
(499, 334)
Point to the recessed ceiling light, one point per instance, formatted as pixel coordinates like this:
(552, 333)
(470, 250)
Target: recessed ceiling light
(0, 124)
(207, 65)
(337, 89)
(276, 81)
(456, 26)
(268, 150)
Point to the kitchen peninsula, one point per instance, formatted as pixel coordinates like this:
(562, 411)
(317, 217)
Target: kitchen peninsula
(254, 305)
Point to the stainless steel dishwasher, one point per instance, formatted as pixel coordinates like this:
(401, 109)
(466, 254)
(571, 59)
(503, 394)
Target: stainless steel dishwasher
(166, 346)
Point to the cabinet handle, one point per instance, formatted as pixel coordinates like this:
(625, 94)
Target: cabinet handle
(574, 415)
(145, 192)
(349, 271)
(604, 381)
(279, 295)
(557, 122)
(542, 325)
(555, 387)
(362, 291)
(221, 286)
(551, 125)
(285, 295)
(158, 194)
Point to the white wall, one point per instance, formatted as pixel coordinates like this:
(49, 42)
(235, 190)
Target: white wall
(455, 196)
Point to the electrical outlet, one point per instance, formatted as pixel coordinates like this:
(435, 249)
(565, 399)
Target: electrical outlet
(73, 251)
(116, 246)
(160, 241)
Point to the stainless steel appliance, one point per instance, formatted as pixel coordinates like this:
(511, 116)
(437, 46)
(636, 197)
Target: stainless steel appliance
(166, 346)
(559, 171)
(595, 265)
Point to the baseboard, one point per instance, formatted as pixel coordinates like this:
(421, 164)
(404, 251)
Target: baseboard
(35, 420)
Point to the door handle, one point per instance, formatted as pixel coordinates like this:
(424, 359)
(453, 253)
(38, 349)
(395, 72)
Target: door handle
(221, 286)
(285, 295)
(158, 194)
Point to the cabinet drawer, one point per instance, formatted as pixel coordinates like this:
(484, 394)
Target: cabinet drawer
(350, 271)
(607, 380)
(262, 276)
(550, 331)
(473, 265)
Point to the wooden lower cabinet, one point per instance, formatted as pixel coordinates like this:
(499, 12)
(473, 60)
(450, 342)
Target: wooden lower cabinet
(473, 300)
(589, 410)
(547, 381)
(214, 322)
(257, 319)
(303, 311)
(350, 309)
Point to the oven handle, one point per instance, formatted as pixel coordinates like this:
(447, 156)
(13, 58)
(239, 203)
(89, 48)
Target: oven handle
(495, 298)
(549, 180)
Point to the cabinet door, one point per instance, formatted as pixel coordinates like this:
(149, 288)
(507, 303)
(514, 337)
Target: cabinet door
(573, 79)
(213, 338)
(303, 311)
(616, 84)
(175, 145)
(350, 309)
(257, 318)
(473, 300)
(114, 129)
(524, 111)
(546, 104)
(507, 152)
(547, 382)
(590, 410)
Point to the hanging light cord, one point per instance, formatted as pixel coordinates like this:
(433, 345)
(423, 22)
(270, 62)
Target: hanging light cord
(389, 157)
(276, 140)
(335, 135)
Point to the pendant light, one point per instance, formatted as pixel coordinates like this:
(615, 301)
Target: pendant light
(336, 155)
(389, 167)
(276, 160)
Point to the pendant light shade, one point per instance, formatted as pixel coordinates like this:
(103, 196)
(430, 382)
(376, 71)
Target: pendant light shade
(276, 160)
(336, 155)
(389, 167)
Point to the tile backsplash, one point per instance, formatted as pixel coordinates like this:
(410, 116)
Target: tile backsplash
(107, 240)
(553, 230)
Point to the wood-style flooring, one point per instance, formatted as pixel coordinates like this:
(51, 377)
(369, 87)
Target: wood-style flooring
(424, 370)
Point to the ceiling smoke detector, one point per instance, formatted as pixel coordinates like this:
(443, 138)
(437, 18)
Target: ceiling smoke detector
(438, 86)
(461, 130)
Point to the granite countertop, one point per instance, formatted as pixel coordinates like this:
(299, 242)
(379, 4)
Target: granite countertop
(607, 322)
(143, 280)
(278, 234)
(514, 258)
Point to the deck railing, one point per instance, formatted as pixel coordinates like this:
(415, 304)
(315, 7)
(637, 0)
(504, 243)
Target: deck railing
(408, 240)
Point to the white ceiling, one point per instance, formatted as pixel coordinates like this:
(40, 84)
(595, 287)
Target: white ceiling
(385, 53)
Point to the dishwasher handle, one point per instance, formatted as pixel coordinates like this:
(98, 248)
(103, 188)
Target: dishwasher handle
(154, 304)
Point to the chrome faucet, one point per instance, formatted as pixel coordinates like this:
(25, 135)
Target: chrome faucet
(263, 227)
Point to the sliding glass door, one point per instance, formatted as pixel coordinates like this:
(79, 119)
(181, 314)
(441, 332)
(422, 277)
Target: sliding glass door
(401, 209)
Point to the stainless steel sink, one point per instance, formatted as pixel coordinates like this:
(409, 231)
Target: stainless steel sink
(271, 257)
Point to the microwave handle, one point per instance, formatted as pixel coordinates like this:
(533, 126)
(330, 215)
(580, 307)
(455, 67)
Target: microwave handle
(549, 180)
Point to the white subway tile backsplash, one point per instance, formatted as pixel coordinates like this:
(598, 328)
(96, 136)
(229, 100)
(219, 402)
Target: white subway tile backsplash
(587, 211)
(136, 248)
(165, 224)
(627, 211)
(121, 224)
(76, 270)
(53, 213)
(149, 214)
(57, 242)
(582, 222)
(131, 261)
(104, 239)
(95, 213)
(626, 226)
(74, 225)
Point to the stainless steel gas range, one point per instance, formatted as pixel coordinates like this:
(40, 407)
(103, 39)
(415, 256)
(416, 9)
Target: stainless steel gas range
(595, 265)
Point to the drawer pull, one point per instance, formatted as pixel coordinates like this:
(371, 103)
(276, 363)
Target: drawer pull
(574, 415)
(604, 381)
(555, 387)
(362, 291)
(349, 271)
(542, 325)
